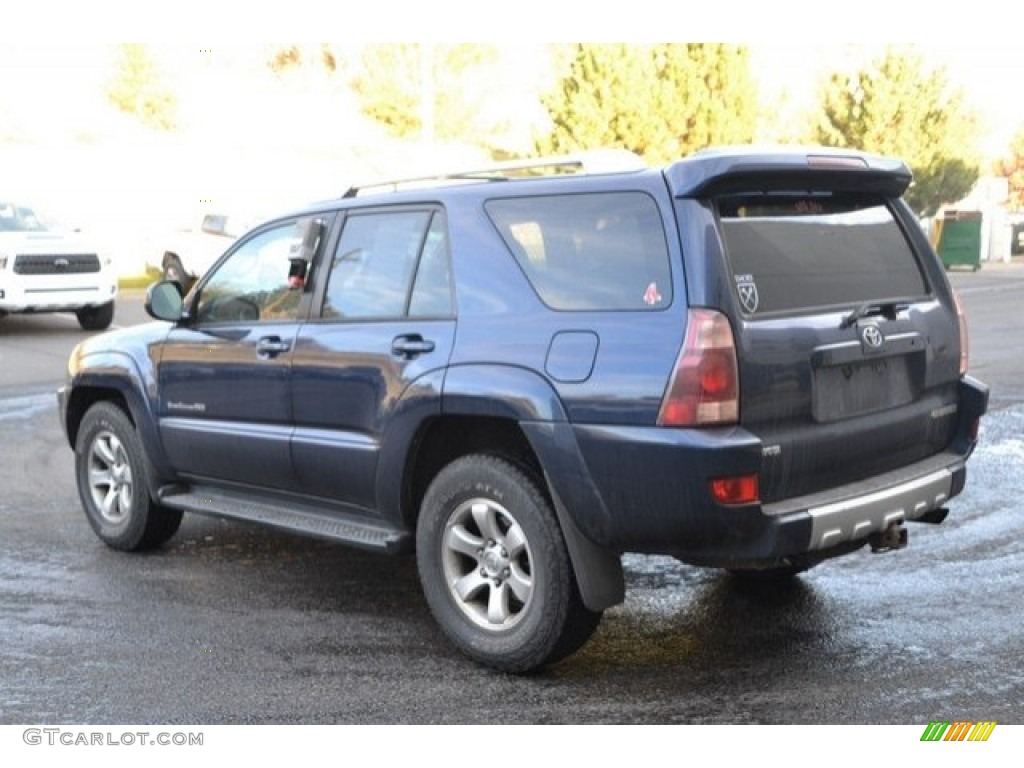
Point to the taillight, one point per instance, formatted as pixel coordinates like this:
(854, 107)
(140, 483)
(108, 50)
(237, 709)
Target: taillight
(704, 389)
(961, 319)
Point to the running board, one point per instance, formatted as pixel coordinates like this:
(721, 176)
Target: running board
(288, 516)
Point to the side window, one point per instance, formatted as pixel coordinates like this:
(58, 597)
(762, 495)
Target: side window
(595, 251)
(377, 260)
(252, 285)
(432, 291)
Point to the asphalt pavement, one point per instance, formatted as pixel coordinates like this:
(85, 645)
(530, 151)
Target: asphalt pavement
(234, 624)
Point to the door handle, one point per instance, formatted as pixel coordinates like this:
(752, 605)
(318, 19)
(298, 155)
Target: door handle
(271, 346)
(410, 346)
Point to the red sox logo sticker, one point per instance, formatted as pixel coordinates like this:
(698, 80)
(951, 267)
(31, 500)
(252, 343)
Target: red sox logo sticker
(651, 296)
(747, 290)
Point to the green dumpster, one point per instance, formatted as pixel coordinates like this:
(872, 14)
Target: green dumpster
(960, 239)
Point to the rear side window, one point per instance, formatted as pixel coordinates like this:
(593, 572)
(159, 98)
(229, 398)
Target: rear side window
(805, 250)
(589, 252)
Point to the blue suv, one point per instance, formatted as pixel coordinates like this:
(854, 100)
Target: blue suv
(749, 360)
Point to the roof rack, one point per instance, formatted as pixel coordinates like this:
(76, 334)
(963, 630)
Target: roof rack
(590, 162)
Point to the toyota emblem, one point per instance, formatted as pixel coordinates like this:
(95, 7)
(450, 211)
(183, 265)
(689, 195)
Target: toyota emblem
(871, 336)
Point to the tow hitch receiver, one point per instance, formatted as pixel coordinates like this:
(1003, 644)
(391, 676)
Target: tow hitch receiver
(892, 538)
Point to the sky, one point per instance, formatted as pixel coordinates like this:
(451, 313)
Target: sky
(980, 22)
(793, 44)
(793, 40)
(991, 75)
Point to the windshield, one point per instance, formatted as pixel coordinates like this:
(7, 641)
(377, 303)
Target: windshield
(18, 218)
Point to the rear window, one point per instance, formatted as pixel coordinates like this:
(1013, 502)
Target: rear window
(808, 250)
(596, 251)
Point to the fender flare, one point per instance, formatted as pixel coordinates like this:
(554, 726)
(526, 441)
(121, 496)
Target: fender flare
(120, 372)
(527, 398)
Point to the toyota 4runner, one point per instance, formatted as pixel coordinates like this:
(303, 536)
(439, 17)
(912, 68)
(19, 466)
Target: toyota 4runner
(749, 360)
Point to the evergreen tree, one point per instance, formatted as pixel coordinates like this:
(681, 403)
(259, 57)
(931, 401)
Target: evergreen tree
(899, 106)
(661, 101)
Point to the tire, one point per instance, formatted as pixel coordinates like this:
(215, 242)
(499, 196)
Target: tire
(494, 567)
(96, 318)
(174, 271)
(111, 472)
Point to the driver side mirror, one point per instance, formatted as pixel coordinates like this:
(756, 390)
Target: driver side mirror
(164, 301)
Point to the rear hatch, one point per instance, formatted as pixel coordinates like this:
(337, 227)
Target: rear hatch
(847, 337)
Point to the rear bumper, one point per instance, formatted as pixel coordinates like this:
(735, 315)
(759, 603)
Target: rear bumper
(653, 487)
(863, 513)
(820, 522)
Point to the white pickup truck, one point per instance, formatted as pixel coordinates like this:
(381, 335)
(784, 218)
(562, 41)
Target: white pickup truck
(189, 253)
(43, 269)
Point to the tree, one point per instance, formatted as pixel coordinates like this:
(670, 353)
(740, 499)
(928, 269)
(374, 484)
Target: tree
(661, 101)
(294, 57)
(435, 92)
(1012, 167)
(898, 106)
(138, 88)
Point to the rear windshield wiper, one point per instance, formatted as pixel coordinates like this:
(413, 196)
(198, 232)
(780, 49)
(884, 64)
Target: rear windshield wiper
(887, 309)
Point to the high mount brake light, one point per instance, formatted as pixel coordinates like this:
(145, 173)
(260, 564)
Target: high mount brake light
(704, 389)
(836, 161)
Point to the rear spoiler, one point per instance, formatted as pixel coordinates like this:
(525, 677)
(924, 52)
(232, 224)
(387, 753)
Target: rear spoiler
(718, 171)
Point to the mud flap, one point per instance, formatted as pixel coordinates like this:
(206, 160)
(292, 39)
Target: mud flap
(598, 571)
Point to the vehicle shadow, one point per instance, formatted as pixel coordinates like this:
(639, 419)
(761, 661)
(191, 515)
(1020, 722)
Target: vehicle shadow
(722, 622)
(691, 623)
(39, 325)
(275, 570)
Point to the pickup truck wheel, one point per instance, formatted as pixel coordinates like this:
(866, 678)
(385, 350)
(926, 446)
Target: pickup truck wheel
(110, 469)
(96, 318)
(495, 569)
